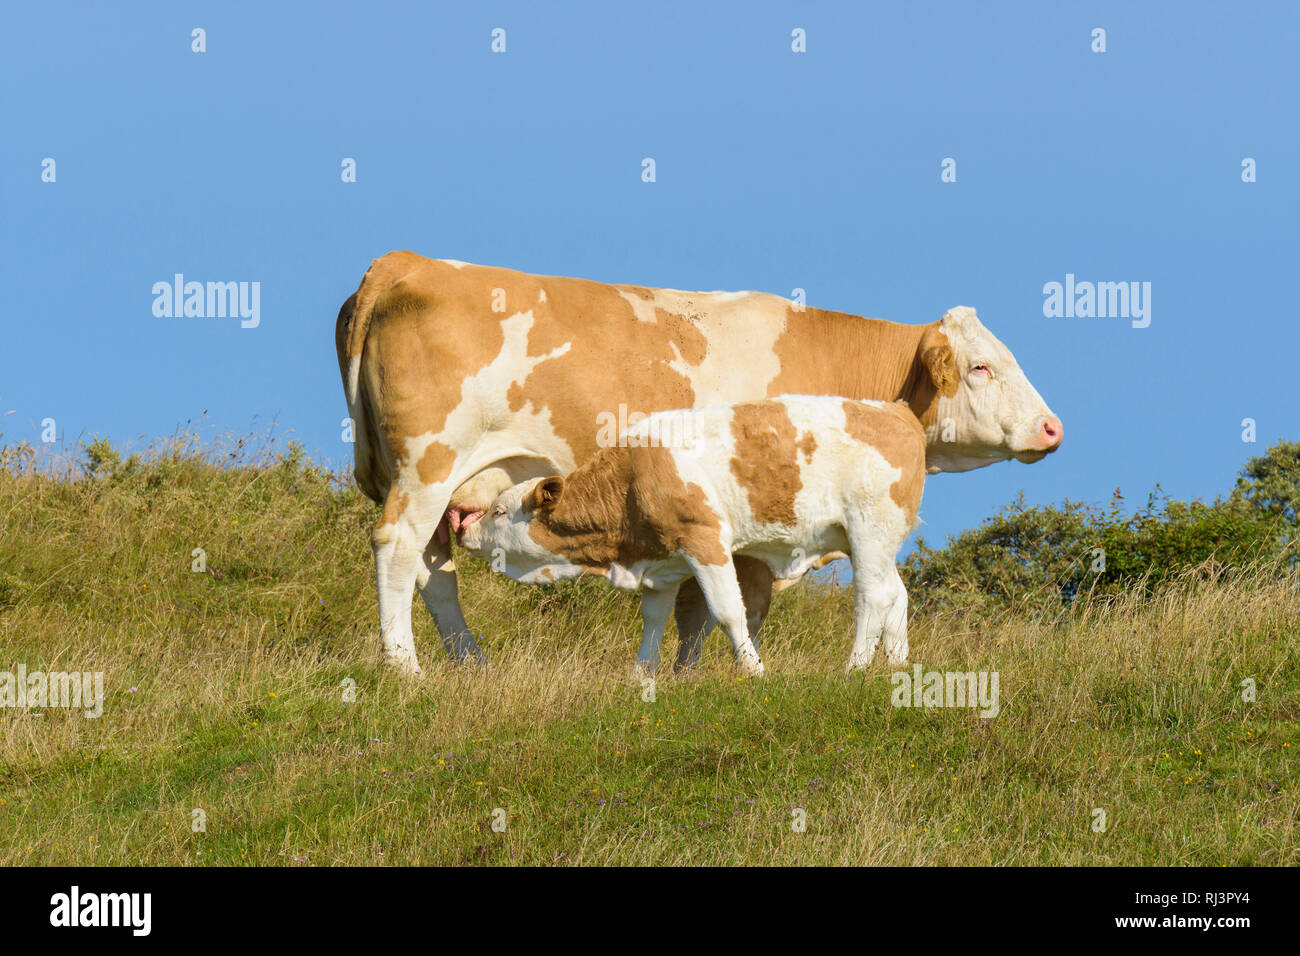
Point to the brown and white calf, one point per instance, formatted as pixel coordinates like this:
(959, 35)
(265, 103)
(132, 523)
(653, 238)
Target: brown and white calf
(462, 380)
(784, 481)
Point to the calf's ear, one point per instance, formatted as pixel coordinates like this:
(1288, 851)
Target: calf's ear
(938, 359)
(545, 494)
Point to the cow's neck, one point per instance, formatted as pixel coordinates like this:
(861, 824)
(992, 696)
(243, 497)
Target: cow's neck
(835, 353)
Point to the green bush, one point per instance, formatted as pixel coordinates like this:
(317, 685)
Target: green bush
(1271, 483)
(1044, 560)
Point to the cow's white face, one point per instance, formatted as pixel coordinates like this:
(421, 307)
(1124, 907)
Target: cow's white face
(994, 413)
(502, 537)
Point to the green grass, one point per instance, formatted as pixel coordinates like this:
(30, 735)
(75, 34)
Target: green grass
(225, 693)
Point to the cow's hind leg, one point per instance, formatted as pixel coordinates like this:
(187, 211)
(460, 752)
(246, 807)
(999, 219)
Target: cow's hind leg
(695, 622)
(722, 592)
(437, 583)
(396, 542)
(408, 553)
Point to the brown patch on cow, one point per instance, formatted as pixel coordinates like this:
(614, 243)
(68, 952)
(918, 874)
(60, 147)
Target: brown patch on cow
(627, 505)
(394, 507)
(766, 461)
(690, 340)
(611, 358)
(418, 366)
(435, 464)
(546, 574)
(836, 353)
(807, 445)
(895, 432)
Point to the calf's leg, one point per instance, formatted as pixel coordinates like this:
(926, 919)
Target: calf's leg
(695, 623)
(896, 624)
(722, 593)
(874, 598)
(656, 606)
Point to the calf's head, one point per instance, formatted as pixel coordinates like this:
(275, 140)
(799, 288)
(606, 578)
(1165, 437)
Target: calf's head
(985, 409)
(502, 536)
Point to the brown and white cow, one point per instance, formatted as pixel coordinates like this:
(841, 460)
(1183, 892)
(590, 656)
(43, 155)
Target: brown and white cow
(464, 380)
(688, 494)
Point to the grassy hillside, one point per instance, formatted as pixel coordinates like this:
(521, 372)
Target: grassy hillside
(225, 693)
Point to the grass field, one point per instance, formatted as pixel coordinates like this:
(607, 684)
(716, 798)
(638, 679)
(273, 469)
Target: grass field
(224, 693)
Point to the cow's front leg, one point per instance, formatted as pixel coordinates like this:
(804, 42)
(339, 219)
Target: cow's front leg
(438, 588)
(656, 606)
(722, 592)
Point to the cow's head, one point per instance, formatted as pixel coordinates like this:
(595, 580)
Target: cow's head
(502, 536)
(985, 409)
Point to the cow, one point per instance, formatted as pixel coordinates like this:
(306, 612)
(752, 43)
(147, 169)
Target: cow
(463, 380)
(786, 481)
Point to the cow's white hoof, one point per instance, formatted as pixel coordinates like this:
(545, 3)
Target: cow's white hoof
(403, 664)
(751, 667)
(897, 655)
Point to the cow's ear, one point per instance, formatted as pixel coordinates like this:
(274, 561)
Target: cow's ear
(545, 494)
(938, 358)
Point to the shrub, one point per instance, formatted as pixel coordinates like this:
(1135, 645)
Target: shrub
(1043, 560)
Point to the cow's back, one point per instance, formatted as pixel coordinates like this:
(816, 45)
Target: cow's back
(425, 344)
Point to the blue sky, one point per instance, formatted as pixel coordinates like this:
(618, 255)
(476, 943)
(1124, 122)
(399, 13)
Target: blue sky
(775, 170)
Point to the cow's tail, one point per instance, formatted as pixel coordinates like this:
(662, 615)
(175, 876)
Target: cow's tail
(350, 338)
(357, 325)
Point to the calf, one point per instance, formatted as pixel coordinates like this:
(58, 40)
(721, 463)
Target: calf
(785, 481)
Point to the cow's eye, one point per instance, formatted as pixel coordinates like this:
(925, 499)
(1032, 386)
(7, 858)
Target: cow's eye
(983, 368)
